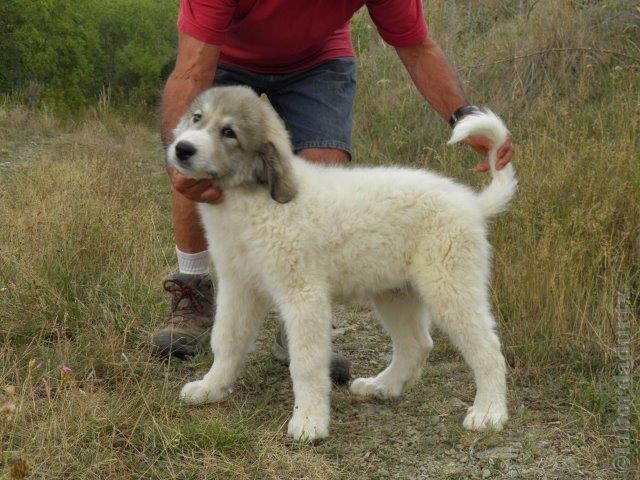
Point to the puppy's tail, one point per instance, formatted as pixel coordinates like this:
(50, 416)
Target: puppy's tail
(496, 196)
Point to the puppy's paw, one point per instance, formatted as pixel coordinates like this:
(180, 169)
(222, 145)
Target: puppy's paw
(308, 427)
(375, 387)
(201, 391)
(493, 417)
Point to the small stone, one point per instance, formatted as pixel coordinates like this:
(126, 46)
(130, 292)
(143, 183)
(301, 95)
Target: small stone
(371, 408)
(486, 473)
(507, 452)
(456, 402)
(434, 420)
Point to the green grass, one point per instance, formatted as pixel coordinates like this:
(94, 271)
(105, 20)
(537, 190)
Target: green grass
(85, 242)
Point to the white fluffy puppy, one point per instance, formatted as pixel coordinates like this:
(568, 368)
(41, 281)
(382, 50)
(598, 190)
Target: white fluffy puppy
(295, 235)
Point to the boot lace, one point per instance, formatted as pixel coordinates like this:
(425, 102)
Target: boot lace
(180, 292)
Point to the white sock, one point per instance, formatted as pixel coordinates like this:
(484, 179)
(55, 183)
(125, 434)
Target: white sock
(193, 263)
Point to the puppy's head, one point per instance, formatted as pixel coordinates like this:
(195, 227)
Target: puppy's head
(231, 136)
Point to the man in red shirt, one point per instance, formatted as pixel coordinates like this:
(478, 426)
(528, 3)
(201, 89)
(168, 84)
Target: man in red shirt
(299, 54)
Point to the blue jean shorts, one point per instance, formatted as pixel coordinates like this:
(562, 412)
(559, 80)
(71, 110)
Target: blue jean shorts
(315, 104)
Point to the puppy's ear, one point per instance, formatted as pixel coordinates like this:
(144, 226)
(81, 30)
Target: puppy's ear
(277, 172)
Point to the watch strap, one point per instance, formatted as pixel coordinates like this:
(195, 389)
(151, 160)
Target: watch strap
(462, 112)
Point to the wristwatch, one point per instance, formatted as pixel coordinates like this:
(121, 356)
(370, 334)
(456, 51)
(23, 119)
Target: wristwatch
(462, 112)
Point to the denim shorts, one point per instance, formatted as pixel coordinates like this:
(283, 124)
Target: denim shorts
(315, 104)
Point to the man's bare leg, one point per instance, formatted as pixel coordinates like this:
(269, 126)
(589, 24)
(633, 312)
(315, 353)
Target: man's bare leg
(187, 228)
(329, 156)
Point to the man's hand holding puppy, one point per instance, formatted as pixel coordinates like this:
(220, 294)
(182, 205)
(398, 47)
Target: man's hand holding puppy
(201, 191)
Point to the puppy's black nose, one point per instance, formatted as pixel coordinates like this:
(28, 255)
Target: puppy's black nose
(185, 150)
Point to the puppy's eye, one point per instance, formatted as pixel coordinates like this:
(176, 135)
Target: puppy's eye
(227, 132)
(197, 117)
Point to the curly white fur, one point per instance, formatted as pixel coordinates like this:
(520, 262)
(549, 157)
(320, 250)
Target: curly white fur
(413, 241)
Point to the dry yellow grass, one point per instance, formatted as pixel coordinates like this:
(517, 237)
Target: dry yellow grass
(85, 241)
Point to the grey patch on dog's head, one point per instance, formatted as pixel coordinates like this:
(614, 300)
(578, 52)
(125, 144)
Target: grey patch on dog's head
(237, 139)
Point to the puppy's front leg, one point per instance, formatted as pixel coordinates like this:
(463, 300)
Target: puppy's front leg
(307, 317)
(239, 314)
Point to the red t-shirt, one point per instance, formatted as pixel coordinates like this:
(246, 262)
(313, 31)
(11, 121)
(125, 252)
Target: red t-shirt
(280, 36)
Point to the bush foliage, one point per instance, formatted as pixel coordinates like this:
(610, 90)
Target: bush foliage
(69, 53)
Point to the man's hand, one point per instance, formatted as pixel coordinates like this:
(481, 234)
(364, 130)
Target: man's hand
(482, 144)
(201, 191)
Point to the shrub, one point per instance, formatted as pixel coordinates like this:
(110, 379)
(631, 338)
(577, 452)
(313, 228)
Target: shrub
(66, 53)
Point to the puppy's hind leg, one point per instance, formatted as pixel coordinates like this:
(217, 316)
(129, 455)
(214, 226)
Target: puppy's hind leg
(307, 318)
(471, 329)
(240, 311)
(458, 300)
(407, 321)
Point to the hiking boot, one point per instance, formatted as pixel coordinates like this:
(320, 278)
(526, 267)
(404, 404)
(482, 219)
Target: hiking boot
(338, 369)
(187, 327)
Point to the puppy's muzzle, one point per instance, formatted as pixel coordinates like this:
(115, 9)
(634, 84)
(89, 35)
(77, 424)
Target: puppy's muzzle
(184, 151)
